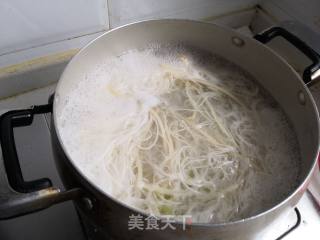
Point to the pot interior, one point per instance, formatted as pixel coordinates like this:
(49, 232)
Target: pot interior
(276, 76)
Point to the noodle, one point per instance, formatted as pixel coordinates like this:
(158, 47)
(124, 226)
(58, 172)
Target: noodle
(184, 143)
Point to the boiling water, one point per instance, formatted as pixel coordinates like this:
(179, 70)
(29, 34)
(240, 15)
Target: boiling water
(115, 100)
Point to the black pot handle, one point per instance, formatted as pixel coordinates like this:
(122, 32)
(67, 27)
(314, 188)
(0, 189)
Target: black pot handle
(273, 32)
(17, 196)
(8, 121)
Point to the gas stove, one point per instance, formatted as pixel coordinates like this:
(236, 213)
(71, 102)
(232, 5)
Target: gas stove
(62, 221)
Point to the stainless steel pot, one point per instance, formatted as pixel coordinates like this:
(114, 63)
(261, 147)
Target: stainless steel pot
(104, 213)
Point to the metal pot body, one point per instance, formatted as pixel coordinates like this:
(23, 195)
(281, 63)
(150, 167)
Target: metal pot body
(107, 215)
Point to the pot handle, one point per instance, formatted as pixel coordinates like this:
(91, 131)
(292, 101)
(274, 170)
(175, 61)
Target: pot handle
(17, 196)
(273, 32)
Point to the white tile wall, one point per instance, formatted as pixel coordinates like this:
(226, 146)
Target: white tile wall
(126, 11)
(26, 24)
(32, 29)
